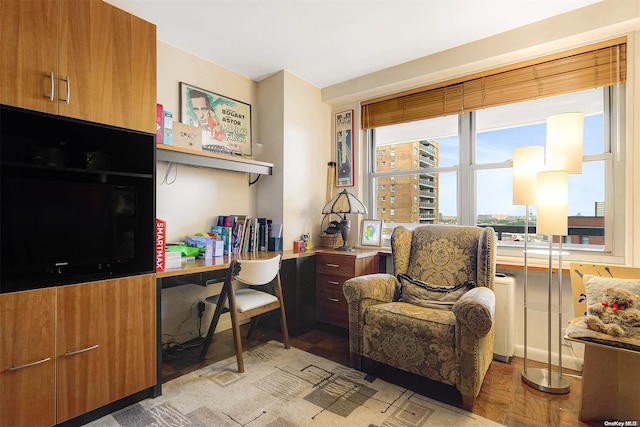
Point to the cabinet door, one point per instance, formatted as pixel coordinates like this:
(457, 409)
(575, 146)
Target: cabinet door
(27, 358)
(29, 54)
(107, 65)
(106, 342)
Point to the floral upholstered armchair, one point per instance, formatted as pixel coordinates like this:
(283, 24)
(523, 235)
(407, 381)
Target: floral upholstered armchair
(435, 317)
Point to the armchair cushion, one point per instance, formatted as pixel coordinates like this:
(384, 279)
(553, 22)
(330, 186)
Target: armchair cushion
(433, 296)
(444, 255)
(421, 323)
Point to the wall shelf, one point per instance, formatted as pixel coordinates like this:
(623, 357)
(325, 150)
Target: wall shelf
(170, 153)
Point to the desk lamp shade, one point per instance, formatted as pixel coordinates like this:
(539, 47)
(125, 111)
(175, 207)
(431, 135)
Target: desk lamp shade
(564, 142)
(551, 201)
(527, 162)
(342, 204)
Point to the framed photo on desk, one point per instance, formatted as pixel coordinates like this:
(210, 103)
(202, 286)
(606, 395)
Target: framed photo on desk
(371, 232)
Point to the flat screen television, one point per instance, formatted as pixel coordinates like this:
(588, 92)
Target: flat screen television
(77, 201)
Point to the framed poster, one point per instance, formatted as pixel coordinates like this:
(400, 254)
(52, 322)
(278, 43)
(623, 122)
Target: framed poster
(225, 122)
(371, 232)
(344, 149)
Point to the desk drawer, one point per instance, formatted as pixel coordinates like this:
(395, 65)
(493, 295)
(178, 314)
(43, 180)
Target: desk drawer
(332, 306)
(336, 264)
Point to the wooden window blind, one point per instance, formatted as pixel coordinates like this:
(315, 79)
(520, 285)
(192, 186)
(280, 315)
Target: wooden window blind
(590, 67)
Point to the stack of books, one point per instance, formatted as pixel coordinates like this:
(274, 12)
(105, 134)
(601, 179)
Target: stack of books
(242, 234)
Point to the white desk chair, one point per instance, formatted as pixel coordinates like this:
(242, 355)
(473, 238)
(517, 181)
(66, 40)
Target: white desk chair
(245, 303)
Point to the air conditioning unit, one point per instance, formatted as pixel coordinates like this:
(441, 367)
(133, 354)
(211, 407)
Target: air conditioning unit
(504, 346)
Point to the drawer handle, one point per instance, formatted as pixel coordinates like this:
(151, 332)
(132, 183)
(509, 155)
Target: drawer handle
(68, 89)
(26, 365)
(333, 265)
(53, 87)
(71, 353)
(333, 282)
(333, 299)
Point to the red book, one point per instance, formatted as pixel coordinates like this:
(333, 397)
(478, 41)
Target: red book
(159, 123)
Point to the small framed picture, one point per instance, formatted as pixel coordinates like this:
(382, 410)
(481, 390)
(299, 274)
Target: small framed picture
(344, 149)
(371, 232)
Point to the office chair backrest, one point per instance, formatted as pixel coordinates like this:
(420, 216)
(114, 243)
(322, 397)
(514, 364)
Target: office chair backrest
(257, 272)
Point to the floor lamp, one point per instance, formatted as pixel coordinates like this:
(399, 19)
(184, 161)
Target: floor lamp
(563, 157)
(551, 202)
(527, 162)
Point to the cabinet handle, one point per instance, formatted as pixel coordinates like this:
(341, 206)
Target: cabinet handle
(333, 282)
(52, 87)
(333, 265)
(26, 365)
(71, 353)
(68, 89)
(333, 299)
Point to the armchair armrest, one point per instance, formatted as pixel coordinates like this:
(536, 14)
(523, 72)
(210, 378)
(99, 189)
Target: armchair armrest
(381, 287)
(475, 310)
(360, 293)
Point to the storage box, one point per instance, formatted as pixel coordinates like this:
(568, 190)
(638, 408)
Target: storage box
(218, 248)
(161, 236)
(203, 242)
(298, 246)
(172, 260)
(187, 136)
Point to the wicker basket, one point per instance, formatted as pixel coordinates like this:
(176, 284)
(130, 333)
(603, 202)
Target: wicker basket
(327, 240)
(330, 241)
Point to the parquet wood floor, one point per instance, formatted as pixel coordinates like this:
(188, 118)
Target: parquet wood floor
(504, 398)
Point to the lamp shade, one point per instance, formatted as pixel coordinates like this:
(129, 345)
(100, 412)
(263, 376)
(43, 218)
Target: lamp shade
(527, 162)
(551, 200)
(344, 203)
(564, 142)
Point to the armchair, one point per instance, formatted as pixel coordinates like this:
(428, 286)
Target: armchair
(424, 320)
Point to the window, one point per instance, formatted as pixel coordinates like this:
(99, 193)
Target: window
(464, 131)
(481, 192)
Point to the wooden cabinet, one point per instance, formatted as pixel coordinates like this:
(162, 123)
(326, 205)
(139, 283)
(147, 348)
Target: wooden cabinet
(28, 358)
(106, 342)
(83, 59)
(99, 336)
(333, 268)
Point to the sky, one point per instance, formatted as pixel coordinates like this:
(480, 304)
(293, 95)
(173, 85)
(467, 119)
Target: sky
(497, 145)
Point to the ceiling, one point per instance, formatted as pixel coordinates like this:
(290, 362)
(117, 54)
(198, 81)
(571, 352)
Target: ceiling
(326, 42)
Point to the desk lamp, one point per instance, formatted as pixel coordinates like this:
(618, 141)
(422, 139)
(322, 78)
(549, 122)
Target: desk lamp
(342, 204)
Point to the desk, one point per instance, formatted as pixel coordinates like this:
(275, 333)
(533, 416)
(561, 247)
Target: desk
(298, 277)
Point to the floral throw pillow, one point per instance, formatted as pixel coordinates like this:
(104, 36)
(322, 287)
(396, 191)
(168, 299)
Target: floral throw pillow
(432, 296)
(594, 285)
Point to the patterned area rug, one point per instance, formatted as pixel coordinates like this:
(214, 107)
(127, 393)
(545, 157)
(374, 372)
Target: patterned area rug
(283, 388)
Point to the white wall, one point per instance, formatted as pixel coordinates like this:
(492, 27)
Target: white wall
(190, 199)
(291, 128)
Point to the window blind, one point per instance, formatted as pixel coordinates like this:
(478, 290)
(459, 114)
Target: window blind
(593, 66)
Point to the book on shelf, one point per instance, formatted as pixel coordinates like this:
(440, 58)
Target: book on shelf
(236, 225)
(275, 237)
